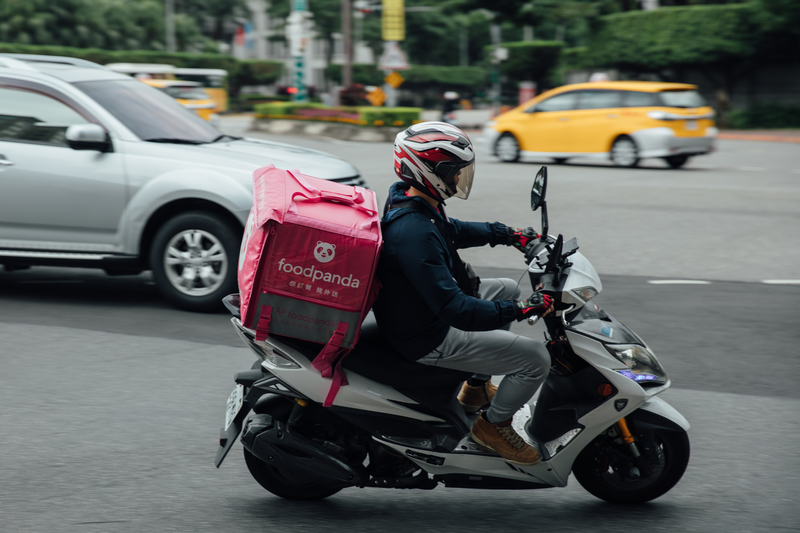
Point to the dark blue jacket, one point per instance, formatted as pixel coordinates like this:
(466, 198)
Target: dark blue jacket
(420, 299)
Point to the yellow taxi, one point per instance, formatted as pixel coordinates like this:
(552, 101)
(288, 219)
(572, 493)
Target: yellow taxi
(189, 94)
(624, 121)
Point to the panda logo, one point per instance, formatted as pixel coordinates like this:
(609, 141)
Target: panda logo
(324, 252)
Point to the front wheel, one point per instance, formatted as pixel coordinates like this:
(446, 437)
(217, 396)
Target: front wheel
(604, 467)
(279, 485)
(507, 148)
(193, 257)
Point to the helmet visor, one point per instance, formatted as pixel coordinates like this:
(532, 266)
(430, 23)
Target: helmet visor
(456, 177)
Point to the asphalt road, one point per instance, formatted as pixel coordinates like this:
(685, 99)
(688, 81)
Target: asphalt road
(113, 399)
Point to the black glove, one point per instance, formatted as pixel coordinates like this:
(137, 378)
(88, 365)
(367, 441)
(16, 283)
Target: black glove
(538, 304)
(519, 237)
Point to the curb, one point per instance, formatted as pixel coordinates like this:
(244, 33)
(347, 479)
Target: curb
(344, 132)
(792, 137)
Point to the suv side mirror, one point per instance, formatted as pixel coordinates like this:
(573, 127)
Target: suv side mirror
(88, 137)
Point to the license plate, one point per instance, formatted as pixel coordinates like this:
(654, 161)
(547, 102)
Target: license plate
(235, 401)
(691, 124)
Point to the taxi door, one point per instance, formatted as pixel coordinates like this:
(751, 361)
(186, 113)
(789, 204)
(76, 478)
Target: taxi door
(597, 120)
(548, 124)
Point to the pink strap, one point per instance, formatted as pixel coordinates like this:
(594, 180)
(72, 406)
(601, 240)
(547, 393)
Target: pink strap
(339, 379)
(327, 364)
(262, 328)
(302, 181)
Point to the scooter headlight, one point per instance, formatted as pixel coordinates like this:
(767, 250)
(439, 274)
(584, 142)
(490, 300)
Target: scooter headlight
(643, 367)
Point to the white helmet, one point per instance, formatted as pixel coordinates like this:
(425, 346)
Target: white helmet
(436, 158)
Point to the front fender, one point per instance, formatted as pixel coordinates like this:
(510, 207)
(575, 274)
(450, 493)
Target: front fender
(209, 185)
(658, 413)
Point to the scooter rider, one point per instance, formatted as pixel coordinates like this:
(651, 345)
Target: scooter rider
(429, 307)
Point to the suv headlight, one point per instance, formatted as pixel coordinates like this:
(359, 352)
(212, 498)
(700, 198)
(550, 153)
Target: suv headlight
(643, 367)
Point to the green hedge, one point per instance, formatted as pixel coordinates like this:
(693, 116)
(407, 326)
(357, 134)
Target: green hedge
(418, 77)
(675, 36)
(765, 116)
(239, 72)
(361, 116)
(530, 60)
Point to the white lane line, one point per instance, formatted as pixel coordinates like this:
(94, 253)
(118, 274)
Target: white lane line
(678, 282)
(781, 281)
(752, 169)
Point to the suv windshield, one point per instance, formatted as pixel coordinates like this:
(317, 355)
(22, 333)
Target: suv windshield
(148, 112)
(682, 99)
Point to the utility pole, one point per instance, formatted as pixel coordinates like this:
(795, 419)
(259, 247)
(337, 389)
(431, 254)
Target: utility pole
(169, 19)
(347, 68)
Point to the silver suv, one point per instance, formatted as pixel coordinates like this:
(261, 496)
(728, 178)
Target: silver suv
(98, 169)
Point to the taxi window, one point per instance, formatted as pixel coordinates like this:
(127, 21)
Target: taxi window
(640, 99)
(559, 102)
(598, 99)
(682, 99)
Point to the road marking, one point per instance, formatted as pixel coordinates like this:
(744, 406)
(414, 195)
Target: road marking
(752, 169)
(781, 281)
(678, 282)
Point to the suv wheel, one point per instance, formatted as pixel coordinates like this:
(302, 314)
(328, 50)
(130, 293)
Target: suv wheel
(624, 152)
(193, 258)
(676, 161)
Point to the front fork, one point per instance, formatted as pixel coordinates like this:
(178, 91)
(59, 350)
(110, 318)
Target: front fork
(641, 469)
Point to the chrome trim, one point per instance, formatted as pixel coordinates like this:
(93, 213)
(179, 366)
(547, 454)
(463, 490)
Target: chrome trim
(52, 255)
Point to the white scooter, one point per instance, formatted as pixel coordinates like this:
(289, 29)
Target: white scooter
(397, 424)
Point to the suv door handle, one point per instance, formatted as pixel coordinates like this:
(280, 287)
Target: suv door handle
(563, 119)
(5, 162)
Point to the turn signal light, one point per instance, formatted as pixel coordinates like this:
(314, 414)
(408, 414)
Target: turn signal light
(605, 389)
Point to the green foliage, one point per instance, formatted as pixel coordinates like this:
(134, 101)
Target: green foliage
(362, 115)
(765, 116)
(675, 36)
(575, 58)
(107, 24)
(239, 72)
(418, 77)
(531, 60)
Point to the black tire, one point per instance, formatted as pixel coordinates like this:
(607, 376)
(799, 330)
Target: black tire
(272, 480)
(594, 469)
(507, 148)
(676, 161)
(624, 152)
(194, 257)
(560, 160)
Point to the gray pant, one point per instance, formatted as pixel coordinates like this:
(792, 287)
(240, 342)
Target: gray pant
(523, 361)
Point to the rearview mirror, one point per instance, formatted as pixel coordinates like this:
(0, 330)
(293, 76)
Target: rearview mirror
(88, 137)
(539, 189)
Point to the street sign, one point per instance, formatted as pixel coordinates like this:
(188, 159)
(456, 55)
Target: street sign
(376, 97)
(393, 57)
(394, 79)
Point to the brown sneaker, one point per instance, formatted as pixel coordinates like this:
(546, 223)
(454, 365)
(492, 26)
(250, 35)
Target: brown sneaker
(502, 439)
(473, 398)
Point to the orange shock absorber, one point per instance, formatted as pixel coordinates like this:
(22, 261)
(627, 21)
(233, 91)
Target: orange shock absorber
(625, 433)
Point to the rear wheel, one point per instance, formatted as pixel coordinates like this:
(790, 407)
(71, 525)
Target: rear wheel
(676, 161)
(624, 152)
(279, 485)
(507, 148)
(604, 467)
(193, 257)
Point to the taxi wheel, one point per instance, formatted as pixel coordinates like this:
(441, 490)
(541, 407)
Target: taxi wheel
(193, 258)
(676, 161)
(624, 152)
(507, 148)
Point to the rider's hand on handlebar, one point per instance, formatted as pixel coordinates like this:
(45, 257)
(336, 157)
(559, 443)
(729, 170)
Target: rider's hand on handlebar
(538, 304)
(520, 237)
